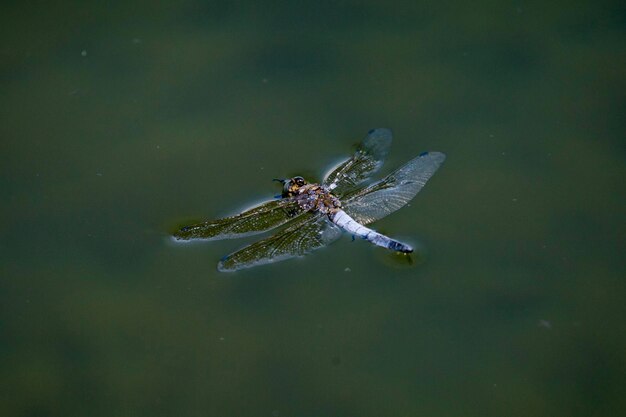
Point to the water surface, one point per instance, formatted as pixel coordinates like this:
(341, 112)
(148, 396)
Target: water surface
(119, 122)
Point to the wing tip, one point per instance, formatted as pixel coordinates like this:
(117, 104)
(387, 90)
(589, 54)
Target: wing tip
(377, 142)
(379, 130)
(222, 268)
(434, 155)
(380, 133)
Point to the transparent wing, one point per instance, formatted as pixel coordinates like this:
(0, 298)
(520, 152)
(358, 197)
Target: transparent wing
(256, 220)
(394, 191)
(305, 234)
(368, 159)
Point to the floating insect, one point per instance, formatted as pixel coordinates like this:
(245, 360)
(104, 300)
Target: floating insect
(314, 215)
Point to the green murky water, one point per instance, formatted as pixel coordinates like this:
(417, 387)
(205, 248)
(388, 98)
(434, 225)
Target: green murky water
(120, 121)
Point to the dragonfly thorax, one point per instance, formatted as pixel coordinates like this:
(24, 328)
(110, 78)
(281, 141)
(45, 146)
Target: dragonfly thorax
(317, 198)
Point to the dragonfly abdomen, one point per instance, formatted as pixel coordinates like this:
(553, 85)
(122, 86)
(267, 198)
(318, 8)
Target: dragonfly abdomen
(343, 220)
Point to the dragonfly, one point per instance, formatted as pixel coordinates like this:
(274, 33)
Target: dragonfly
(314, 215)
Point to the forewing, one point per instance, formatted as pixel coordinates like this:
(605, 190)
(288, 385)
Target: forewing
(368, 159)
(394, 191)
(305, 234)
(256, 220)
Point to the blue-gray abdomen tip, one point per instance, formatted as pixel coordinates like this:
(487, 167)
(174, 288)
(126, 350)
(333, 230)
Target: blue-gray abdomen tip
(400, 247)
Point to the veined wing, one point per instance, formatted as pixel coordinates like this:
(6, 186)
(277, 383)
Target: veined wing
(256, 220)
(304, 234)
(368, 159)
(394, 191)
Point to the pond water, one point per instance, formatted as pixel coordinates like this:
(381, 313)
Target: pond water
(120, 122)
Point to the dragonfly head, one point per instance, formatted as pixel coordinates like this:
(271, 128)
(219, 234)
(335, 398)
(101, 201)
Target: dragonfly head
(291, 185)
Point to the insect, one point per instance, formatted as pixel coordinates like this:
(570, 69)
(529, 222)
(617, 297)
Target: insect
(314, 215)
